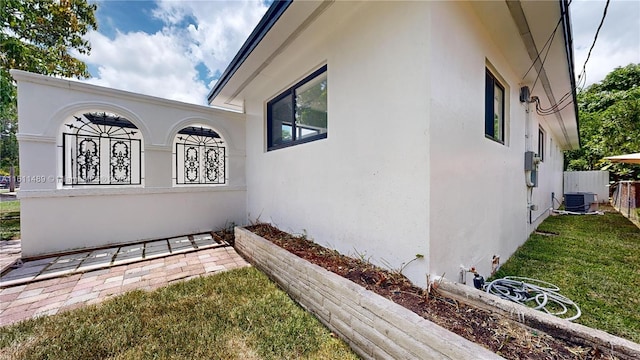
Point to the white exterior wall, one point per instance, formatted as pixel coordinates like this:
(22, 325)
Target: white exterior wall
(406, 168)
(478, 192)
(587, 181)
(363, 190)
(73, 219)
(55, 219)
(549, 175)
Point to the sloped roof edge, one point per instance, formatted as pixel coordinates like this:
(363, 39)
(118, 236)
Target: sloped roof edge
(266, 23)
(555, 74)
(566, 27)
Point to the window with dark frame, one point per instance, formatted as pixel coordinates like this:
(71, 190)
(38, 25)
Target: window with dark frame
(299, 114)
(494, 108)
(541, 144)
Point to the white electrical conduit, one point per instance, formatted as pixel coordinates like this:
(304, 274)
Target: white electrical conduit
(544, 296)
(565, 212)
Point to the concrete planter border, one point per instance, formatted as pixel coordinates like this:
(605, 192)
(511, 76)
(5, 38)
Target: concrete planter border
(374, 327)
(377, 328)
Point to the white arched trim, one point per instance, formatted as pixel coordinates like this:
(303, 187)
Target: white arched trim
(56, 128)
(197, 121)
(58, 119)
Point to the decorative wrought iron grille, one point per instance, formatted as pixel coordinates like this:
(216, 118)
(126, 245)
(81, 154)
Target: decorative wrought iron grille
(200, 157)
(101, 149)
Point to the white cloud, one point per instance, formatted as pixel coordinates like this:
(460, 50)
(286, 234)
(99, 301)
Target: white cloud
(164, 64)
(211, 32)
(220, 27)
(153, 64)
(618, 43)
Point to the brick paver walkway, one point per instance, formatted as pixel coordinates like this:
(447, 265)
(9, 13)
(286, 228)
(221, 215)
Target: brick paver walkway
(48, 297)
(10, 251)
(54, 266)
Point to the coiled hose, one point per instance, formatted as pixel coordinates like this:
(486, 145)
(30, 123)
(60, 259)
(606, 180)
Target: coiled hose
(534, 293)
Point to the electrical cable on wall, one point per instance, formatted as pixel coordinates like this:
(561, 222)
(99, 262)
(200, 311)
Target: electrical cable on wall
(552, 110)
(547, 43)
(560, 105)
(553, 35)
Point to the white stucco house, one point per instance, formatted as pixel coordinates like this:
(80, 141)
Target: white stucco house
(385, 129)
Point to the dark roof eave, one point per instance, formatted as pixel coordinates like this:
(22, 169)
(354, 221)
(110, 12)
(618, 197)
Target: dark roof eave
(568, 42)
(266, 23)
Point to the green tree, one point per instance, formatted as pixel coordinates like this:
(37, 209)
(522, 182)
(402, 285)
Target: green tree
(38, 36)
(311, 104)
(609, 123)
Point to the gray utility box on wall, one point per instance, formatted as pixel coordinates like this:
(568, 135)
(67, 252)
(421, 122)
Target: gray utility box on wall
(580, 202)
(530, 161)
(531, 168)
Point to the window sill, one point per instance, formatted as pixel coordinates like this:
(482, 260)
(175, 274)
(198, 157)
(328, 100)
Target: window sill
(494, 139)
(297, 142)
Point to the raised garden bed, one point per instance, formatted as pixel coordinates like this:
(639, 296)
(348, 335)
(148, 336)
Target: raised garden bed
(478, 324)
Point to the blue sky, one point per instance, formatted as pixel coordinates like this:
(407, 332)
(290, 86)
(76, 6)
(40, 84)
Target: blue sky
(127, 16)
(143, 45)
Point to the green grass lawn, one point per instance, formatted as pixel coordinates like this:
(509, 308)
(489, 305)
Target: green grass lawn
(9, 220)
(595, 260)
(9, 206)
(239, 314)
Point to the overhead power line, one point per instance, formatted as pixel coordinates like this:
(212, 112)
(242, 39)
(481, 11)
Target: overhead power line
(584, 67)
(559, 106)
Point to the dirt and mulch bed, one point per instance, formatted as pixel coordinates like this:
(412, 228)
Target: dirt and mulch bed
(503, 336)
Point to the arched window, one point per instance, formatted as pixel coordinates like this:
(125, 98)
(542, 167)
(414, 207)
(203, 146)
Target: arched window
(101, 149)
(200, 157)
